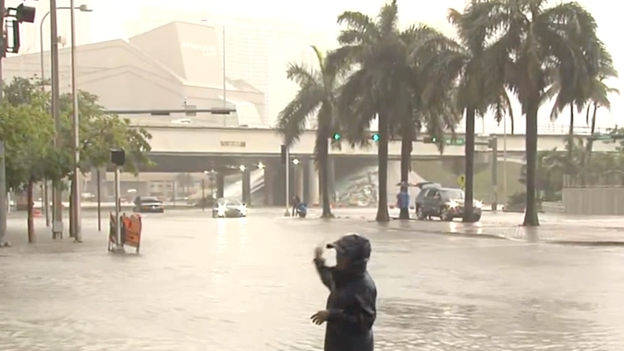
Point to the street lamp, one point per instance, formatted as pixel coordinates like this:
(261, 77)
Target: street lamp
(81, 8)
(295, 161)
(242, 168)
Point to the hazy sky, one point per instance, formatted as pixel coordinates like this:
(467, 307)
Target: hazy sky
(109, 17)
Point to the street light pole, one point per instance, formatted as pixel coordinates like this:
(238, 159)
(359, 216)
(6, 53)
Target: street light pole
(76, 126)
(57, 224)
(3, 190)
(58, 219)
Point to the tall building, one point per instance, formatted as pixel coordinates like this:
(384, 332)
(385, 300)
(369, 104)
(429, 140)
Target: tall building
(256, 50)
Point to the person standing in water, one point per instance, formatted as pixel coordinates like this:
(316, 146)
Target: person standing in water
(350, 311)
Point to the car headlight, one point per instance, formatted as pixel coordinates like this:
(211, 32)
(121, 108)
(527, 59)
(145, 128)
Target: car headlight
(221, 210)
(453, 204)
(478, 204)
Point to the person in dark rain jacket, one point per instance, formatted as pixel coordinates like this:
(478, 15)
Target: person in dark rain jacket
(350, 312)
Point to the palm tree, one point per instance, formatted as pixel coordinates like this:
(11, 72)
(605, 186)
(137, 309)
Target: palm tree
(528, 44)
(318, 88)
(476, 94)
(385, 84)
(430, 100)
(583, 87)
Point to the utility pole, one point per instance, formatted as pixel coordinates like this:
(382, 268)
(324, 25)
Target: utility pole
(3, 190)
(76, 207)
(57, 224)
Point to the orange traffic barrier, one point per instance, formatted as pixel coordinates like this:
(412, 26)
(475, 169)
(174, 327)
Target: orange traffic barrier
(131, 228)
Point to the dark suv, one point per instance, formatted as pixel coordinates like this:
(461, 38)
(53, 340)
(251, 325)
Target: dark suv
(434, 200)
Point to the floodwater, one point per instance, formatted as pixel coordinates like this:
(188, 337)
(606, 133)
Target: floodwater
(249, 284)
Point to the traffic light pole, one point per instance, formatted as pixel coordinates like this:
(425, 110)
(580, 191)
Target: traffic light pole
(492, 144)
(4, 203)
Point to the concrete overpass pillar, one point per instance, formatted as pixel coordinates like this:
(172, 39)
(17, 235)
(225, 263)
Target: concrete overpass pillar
(313, 193)
(331, 178)
(220, 185)
(268, 185)
(299, 180)
(246, 184)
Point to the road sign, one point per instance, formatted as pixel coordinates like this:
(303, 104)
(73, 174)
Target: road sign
(461, 180)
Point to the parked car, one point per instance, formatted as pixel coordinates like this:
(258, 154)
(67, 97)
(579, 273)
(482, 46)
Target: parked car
(434, 200)
(148, 204)
(224, 208)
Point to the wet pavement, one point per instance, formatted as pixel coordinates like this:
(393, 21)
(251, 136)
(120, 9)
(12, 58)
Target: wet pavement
(248, 284)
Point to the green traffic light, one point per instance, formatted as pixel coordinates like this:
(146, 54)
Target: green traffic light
(375, 137)
(336, 136)
(434, 139)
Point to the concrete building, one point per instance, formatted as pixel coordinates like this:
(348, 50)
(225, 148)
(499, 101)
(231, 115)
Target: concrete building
(155, 70)
(256, 50)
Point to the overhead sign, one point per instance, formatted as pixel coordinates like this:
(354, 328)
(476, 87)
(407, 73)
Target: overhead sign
(234, 143)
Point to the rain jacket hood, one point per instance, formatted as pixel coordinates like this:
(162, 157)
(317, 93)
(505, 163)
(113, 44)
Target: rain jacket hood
(358, 249)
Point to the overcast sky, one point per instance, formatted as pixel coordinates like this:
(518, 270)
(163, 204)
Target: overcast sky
(109, 17)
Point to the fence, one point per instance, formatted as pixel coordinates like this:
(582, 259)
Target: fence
(594, 194)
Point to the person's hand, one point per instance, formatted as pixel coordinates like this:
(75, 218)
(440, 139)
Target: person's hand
(318, 251)
(320, 317)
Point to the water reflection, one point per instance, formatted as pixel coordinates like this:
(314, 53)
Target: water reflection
(466, 228)
(249, 285)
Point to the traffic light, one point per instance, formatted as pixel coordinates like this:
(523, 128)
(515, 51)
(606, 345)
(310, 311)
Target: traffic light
(336, 136)
(430, 140)
(25, 13)
(375, 137)
(284, 154)
(118, 157)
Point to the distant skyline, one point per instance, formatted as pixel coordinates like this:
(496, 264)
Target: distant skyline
(109, 17)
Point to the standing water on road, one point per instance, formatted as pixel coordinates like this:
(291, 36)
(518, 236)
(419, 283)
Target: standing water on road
(249, 284)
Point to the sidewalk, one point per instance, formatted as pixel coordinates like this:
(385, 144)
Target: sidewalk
(18, 238)
(564, 234)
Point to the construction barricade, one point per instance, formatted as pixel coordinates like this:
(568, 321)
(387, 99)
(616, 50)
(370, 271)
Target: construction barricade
(131, 229)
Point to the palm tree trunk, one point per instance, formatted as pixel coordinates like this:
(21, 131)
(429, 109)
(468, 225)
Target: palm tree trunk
(469, 152)
(407, 139)
(72, 220)
(570, 145)
(382, 178)
(30, 207)
(530, 214)
(323, 158)
(592, 131)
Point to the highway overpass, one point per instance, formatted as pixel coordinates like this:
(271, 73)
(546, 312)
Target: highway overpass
(243, 142)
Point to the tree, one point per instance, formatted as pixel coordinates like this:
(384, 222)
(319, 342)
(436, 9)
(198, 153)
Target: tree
(528, 45)
(476, 93)
(318, 90)
(27, 132)
(429, 98)
(385, 84)
(99, 133)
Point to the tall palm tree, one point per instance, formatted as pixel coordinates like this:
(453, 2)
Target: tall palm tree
(430, 100)
(476, 93)
(528, 43)
(318, 88)
(384, 84)
(582, 87)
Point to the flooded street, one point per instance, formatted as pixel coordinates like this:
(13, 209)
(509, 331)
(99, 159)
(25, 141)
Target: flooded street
(249, 284)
